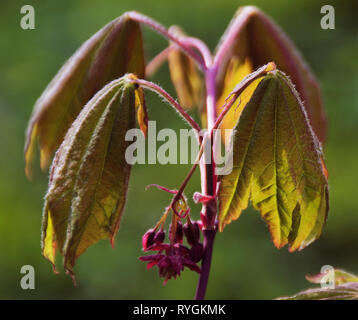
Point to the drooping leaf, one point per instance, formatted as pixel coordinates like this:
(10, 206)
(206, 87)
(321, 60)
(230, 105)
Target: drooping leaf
(184, 75)
(114, 50)
(345, 291)
(278, 165)
(345, 288)
(340, 276)
(89, 176)
(253, 39)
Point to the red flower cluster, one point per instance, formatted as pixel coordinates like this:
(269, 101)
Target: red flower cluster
(171, 258)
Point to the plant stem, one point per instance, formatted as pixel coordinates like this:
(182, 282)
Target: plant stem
(210, 96)
(157, 61)
(201, 47)
(207, 169)
(136, 16)
(208, 187)
(209, 236)
(160, 91)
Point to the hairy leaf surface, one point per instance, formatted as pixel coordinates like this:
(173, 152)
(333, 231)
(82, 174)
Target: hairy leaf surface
(89, 176)
(345, 288)
(345, 291)
(253, 39)
(278, 165)
(114, 50)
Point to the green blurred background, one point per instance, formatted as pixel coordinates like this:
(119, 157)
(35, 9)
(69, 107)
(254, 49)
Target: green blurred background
(246, 265)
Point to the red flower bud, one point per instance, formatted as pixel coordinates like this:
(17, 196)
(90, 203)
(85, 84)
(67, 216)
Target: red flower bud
(159, 237)
(196, 252)
(178, 236)
(192, 232)
(148, 239)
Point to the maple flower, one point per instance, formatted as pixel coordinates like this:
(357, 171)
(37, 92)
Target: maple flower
(170, 260)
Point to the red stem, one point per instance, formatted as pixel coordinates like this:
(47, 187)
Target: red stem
(201, 47)
(159, 90)
(157, 61)
(136, 16)
(208, 188)
(208, 177)
(209, 236)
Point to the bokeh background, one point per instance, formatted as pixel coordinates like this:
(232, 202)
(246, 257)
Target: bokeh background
(245, 265)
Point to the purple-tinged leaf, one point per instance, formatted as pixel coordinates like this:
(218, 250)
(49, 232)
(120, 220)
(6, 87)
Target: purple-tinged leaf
(251, 40)
(114, 50)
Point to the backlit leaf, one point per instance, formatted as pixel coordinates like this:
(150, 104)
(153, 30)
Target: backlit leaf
(278, 165)
(253, 39)
(184, 75)
(244, 89)
(235, 74)
(113, 51)
(89, 176)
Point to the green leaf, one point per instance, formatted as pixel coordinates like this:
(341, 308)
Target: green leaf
(278, 165)
(114, 50)
(345, 291)
(89, 176)
(184, 75)
(252, 40)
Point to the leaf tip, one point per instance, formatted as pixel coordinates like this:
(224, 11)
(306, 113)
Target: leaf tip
(29, 150)
(248, 10)
(28, 171)
(271, 66)
(44, 160)
(221, 226)
(73, 276)
(112, 241)
(324, 168)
